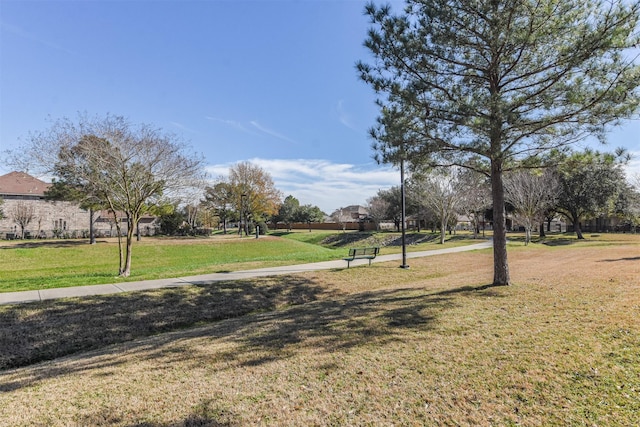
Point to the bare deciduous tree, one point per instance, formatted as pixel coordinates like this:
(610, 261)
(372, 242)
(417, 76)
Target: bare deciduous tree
(341, 216)
(476, 198)
(444, 192)
(531, 194)
(378, 209)
(635, 207)
(130, 169)
(22, 214)
(191, 201)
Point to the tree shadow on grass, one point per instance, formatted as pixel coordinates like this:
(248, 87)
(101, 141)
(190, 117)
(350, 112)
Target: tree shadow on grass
(280, 233)
(413, 239)
(47, 330)
(559, 242)
(30, 244)
(205, 414)
(340, 240)
(266, 319)
(327, 325)
(637, 258)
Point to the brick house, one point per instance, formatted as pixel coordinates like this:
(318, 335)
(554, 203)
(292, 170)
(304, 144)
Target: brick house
(23, 192)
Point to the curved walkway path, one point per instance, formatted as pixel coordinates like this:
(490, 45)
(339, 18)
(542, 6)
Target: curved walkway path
(81, 291)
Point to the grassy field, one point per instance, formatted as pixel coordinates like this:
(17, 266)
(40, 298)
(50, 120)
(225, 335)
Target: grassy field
(32, 265)
(367, 346)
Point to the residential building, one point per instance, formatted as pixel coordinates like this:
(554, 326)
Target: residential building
(24, 196)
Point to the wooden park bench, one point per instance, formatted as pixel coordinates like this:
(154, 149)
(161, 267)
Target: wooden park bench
(362, 253)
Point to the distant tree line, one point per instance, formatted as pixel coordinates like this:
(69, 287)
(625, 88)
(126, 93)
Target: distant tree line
(247, 198)
(578, 186)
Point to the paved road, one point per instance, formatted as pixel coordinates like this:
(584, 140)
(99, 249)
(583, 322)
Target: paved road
(81, 291)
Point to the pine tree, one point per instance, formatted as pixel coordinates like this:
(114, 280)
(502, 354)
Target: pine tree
(502, 81)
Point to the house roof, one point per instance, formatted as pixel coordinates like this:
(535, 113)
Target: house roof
(354, 209)
(22, 184)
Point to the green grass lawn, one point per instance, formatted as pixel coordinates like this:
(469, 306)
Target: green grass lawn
(33, 265)
(66, 263)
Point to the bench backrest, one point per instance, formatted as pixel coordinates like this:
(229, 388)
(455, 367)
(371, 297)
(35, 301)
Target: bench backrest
(354, 252)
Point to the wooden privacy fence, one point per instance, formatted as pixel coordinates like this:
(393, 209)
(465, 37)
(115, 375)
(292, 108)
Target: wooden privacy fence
(362, 226)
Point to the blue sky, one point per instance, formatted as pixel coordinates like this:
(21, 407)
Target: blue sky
(268, 81)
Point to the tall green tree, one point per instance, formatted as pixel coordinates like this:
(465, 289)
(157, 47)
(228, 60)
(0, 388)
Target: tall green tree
(634, 211)
(309, 213)
(502, 80)
(220, 198)
(589, 186)
(627, 206)
(171, 221)
(288, 211)
(393, 198)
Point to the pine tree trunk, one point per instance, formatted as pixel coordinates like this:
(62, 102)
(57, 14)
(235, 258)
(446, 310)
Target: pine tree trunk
(500, 262)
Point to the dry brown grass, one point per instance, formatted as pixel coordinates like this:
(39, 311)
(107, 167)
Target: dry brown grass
(365, 346)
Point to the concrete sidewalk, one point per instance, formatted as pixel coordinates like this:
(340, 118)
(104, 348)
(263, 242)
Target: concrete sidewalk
(82, 291)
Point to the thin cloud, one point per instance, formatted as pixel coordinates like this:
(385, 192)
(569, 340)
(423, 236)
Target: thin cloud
(345, 118)
(15, 30)
(250, 130)
(271, 132)
(313, 169)
(218, 170)
(183, 127)
(234, 124)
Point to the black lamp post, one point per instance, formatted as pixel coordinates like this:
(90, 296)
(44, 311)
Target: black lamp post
(243, 214)
(403, 209)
